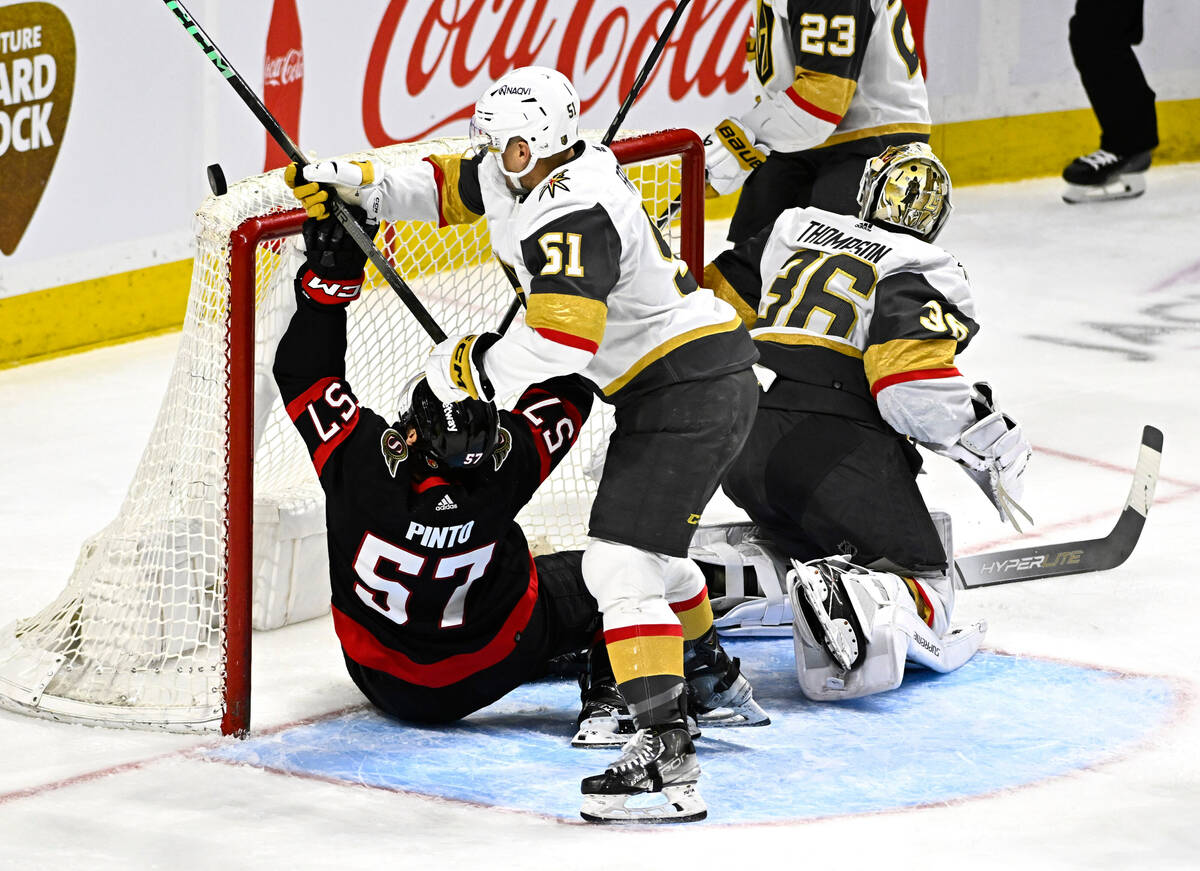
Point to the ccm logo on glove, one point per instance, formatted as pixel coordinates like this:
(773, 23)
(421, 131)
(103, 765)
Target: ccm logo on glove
(329, 291)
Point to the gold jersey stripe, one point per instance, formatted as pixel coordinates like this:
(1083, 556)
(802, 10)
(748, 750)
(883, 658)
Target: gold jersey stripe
(454, 210)
(722, 289)
(669, 346)
(646, 655)
(576, 315)
(807, 339)
(907, 355)
(826, 91)
(882, 130)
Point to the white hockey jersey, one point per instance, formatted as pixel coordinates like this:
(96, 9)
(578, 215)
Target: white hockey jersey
(605, 296)
(856, 320)
(832, 71)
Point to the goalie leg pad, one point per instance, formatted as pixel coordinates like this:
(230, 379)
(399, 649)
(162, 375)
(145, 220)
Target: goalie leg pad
(745, 580)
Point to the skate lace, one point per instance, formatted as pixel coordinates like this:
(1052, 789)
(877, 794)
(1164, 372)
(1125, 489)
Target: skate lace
(638, 751)
(1099, 158)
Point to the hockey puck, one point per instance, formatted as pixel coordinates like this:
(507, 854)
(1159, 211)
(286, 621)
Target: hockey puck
(216, 179)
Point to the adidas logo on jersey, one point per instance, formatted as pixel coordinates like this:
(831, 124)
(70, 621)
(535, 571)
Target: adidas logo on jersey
(446, 504)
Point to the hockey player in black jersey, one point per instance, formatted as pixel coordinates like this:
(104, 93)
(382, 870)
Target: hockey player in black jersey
(861, 320)
(439, 606)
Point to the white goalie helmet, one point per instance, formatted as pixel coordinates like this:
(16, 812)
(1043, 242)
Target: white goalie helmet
(906, 187)
(537, 104)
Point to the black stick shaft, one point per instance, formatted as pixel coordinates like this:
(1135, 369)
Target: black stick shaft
(644, 73)
(611, 133)
(336, 207)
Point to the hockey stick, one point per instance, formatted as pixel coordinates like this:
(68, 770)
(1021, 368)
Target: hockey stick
(611, 134)
(1075, 557)
(336, 207)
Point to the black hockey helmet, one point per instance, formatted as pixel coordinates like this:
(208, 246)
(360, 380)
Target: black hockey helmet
(460, 435)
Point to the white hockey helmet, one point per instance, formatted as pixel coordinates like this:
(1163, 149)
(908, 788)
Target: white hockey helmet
(537, 104)
(906, 187)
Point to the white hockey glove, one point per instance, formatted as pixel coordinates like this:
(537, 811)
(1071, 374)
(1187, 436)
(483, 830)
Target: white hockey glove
(354, 180)
(455, 371)
(730, 154)
(994, 452)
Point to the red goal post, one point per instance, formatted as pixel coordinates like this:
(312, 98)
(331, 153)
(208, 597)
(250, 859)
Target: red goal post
(222, 529)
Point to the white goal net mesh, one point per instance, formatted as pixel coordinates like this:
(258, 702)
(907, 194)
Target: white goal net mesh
(138, 637)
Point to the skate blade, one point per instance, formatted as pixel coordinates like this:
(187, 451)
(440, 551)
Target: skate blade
(840, 642)
(603, 732)
(1124, 187)
(749, 713)
(675, 804)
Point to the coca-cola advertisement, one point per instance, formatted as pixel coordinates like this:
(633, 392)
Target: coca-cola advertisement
(429, 61)
(283, 76)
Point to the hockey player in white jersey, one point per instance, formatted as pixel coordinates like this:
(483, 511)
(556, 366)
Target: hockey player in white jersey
(861, 319)
(835, 82)
(606, 299)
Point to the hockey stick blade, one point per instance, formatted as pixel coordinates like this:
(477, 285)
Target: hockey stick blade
(1075, 557)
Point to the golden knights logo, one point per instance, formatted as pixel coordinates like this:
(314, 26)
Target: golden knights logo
(554, 184)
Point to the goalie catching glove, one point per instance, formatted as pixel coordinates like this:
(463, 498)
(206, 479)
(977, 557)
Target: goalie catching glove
(455, 370)
(994, 452)
(730, 155)
(333, 268)
(353, 180)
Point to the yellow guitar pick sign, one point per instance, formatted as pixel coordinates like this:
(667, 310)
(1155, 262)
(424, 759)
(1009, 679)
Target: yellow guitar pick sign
(37, 80)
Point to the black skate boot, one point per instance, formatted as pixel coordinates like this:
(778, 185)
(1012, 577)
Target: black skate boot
(718, 693)
(830, 611)
(658, 771)
(1103, 175)
(604, 719)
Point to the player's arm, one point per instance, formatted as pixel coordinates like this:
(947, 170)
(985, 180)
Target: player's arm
(441, 188)
(921, 322)
(734, 275)
(574, 263)
(310, 361)
(546, 422)
(828, 40)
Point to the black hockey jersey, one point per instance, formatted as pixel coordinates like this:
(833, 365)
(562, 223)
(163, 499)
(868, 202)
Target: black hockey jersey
(432, 579)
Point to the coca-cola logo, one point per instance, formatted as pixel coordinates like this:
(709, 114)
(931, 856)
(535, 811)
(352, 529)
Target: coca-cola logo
(284, 69)
(448, 52)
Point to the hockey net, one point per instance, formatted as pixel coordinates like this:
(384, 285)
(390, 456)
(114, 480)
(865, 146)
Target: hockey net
(223, 525)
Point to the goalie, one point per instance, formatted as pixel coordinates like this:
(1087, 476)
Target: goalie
(861, 320)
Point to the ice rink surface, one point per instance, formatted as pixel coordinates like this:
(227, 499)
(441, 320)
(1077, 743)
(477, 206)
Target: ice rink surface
(1091, 329)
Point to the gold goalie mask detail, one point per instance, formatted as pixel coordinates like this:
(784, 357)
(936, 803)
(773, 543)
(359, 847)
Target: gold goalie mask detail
(906, 188)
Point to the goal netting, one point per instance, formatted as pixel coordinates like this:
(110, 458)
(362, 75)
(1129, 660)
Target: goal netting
(222, 528)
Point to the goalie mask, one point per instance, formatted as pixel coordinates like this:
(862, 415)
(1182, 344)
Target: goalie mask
(906, 188)
(460, 435)
(537, 104)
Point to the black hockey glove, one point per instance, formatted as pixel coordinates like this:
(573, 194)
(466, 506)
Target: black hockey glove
(333, 269)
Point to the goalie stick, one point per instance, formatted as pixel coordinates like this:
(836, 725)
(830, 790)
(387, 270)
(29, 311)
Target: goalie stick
(1074, 557)
(339, 210)
(609, 136)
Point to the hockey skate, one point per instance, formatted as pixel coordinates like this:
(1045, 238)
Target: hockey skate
(830, 611)
(718, 693)
(653, 781)
(604, 719)
(1103, 175)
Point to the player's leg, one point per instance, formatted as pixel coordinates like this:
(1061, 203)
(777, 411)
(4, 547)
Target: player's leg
(1102, 36)
(718, 692)
(783, 181)
(663, 463)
